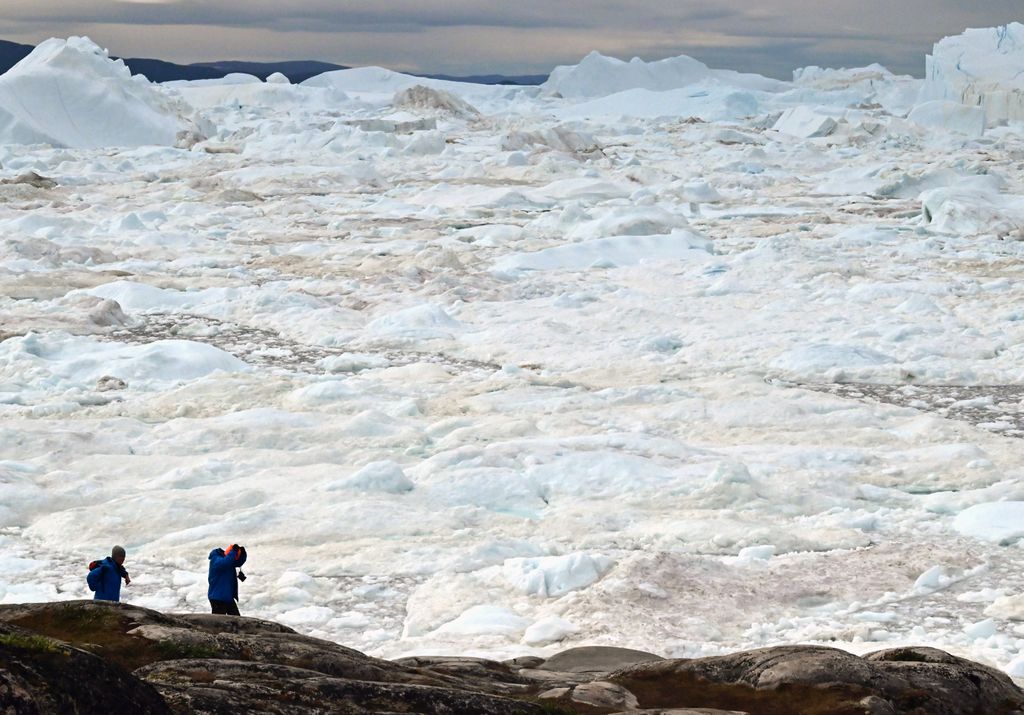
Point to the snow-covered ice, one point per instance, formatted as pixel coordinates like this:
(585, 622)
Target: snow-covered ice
(952, 116)
(1002, 522)
(655, 355)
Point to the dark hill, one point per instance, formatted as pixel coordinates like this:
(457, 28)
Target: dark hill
(11, 53)
(297, 71)
(514, 80)
(160, 71)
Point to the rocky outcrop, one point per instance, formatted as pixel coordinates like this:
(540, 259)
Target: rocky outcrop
(595, 659)
(233, 686)
(88, 656)
(220, 664)
(39, 675)
(827, 681)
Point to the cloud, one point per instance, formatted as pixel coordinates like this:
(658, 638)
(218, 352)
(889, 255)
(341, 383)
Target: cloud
(467, 36)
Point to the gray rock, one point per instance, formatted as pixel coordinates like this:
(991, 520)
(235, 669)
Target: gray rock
(525, 661)
(913, 654)
(555, 693)
(789, 680)
(462, 666)
(596, 694)
(200, 663)
(122, 658)
(554, 679)
(595, 659)
(681, 711)
(486, 675)
(41, 676)
(229, 686)
(944, 683)
(134, 637)
(600, 694)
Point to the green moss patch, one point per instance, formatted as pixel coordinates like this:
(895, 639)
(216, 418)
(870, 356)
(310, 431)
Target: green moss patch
(37, 644)
(98, 629)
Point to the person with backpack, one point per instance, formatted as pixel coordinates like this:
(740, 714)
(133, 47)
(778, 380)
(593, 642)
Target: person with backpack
(223, 590)
(105, 576)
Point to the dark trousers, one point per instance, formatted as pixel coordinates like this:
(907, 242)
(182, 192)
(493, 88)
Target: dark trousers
(225, 608)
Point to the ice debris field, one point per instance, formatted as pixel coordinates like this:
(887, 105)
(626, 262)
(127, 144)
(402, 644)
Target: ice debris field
(651, 355)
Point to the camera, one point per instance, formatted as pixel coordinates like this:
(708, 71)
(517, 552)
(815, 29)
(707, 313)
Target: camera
(241, 576)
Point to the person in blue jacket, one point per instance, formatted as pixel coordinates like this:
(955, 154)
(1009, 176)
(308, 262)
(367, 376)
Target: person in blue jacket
(223, 591)
(105, 578)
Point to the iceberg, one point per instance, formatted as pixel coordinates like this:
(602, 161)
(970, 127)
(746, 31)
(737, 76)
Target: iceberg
(599, 76)
(981, 67)
(69, 93)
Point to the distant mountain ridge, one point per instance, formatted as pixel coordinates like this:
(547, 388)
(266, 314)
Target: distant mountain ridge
(11, 53)
(521, 79)
(295, 70)
(161, 71)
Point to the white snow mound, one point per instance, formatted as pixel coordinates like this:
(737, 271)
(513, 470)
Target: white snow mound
(609, 252)
(423, 321)
(951, 116)
(973, 206)
(1001, 522)
(64, 360)
(553, 576)
(829, 360)
(383, 476)
(486, 620)
(547, 631)
(70, 93)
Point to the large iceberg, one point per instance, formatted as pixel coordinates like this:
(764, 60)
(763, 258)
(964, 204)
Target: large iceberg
(599, 76)
(377, 84)
(70, 93)
(864, 87)
(982, 67)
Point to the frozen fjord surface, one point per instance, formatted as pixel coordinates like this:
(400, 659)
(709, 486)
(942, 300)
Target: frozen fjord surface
(563, 371)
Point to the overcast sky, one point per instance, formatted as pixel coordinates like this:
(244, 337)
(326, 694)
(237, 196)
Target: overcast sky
(524, 36)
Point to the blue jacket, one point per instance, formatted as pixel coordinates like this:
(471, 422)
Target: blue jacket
(223, 582)
(105, 580)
